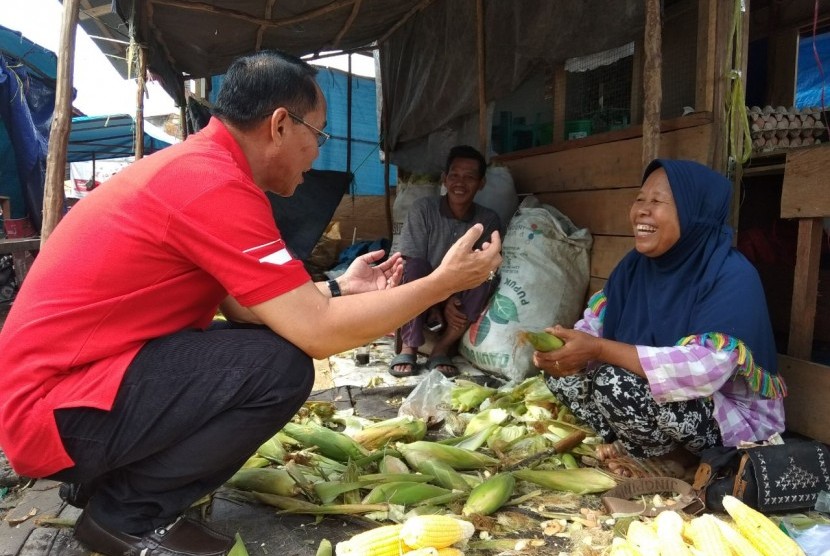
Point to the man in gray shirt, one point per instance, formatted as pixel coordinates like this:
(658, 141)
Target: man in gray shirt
(432, 225)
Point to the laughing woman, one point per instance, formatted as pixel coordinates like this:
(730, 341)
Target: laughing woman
(677, 351)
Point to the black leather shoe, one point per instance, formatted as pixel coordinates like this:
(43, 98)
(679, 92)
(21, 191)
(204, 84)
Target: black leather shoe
(185, 537)
(74, 494)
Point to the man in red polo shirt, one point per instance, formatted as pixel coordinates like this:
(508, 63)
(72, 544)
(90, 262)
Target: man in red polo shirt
(114, 379)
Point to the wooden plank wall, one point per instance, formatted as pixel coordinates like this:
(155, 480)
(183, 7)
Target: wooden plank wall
(595, 184)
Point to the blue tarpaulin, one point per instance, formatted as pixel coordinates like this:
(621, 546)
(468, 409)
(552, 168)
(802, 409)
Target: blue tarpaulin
(813, 65)
(113, 136)
(27, 101)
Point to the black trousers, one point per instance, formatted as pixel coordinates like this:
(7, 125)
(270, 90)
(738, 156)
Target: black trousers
(192, 408)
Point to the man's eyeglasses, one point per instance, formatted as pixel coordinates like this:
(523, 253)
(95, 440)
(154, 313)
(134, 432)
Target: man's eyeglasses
(322, 136)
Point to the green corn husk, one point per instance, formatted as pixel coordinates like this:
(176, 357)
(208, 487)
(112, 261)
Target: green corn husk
(490, 495)
(404, 428)
(374, 479)
(584, 480)
(331, 444)
(238, 548)
(504, 436)
(255, 461)
(569, 461)
(404, 493)
(485, 419)
(323, 466)
(324, 548)
(457, 458)
(328, 492)
(476, 440)
(467, 395)
(391, 464)
(444, 475)
(265, 479)
(298, 506)
(351, 476)
(272, 450)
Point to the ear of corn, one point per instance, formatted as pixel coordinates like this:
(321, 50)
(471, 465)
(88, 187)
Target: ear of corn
(381, 541)
(331, 444)
(403, 493)
(458, 458)
(643, 538)
(404, 428)
(428, 551)
(450, 551)
(467, 395)
(437, 531)
(584, 480)
(760, 530)
(255, 461)
(739, 544)
(272, 450)
(264, 479)
(490, 495)
(669, 527)
(706, 536)
(541, 341)
(391, 464)
(621, 547)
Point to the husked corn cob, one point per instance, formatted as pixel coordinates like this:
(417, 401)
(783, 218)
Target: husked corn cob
(669, 527)
(541, 341)
(621, 547)
(381, 541)
(760, 530)
(458, 458)
(490, 495)
(450, 551)
(437, 531)
(427, 551)
(739, 544)
(644, 538)
(706, 536)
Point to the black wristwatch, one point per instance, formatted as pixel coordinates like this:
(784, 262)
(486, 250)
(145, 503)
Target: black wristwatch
(334, 288)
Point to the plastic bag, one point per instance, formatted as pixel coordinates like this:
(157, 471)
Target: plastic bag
(431, 400)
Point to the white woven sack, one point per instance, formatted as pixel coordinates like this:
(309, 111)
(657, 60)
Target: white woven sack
(544, 277)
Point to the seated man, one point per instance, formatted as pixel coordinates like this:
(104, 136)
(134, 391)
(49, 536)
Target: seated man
(432, 225)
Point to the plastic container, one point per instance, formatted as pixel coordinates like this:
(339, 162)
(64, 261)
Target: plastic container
(577, 129)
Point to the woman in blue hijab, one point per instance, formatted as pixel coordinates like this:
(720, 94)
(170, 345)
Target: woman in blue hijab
(677, 350)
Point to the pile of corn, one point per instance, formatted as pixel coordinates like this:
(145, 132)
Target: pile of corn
(750, 534)
(498, 456)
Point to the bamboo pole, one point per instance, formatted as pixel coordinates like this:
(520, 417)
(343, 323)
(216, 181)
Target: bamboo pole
(482, 82)
(139, 102)
(61, 123)
(652, 82)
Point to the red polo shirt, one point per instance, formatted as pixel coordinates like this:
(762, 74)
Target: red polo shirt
(152, 251)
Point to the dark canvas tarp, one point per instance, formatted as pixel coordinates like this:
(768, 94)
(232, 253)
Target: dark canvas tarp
(427, 49)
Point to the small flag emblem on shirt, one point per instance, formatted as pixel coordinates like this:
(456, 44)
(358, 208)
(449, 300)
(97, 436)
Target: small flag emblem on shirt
(273, 252)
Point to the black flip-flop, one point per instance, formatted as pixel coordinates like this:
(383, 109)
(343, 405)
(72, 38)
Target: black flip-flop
(404, 359)
(443, 361)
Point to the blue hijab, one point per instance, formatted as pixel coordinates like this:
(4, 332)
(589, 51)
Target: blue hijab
(701, 288)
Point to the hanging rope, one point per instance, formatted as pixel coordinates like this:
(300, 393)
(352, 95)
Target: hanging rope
(739, 138)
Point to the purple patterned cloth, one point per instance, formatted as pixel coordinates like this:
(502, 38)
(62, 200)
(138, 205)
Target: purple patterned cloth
(689, 372)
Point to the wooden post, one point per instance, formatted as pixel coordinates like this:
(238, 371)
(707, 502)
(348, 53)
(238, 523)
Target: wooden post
(139, 102)
(61, 123)
(652, 82)
(560, 97)
(482, 83)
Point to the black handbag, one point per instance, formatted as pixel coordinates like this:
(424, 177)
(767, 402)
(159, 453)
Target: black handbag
(774, 478)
